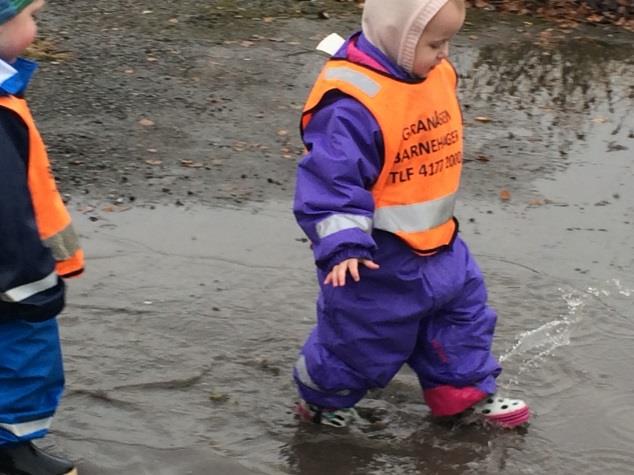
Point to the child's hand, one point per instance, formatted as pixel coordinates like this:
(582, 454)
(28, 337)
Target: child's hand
(337, 276)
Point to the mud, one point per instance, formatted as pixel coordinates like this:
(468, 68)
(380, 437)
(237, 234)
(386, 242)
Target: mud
(173, 132)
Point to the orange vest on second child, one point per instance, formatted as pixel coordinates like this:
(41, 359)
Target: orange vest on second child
(52, 217)
(421, 124)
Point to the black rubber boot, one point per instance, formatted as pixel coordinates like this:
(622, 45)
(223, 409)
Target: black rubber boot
(26, 459)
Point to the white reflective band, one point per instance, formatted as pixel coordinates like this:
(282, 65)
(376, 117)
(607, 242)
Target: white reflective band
(355, 78)
(306, 380)
(27, 428)
(302, 374)
(63, 244)
(417, 217)
(340, 222)
(6, 71)
(23, 292)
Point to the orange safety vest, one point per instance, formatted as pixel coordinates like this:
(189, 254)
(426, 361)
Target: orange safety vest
(421, 124)
(52, 217)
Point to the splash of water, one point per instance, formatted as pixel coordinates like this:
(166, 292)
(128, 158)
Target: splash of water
(534, 345)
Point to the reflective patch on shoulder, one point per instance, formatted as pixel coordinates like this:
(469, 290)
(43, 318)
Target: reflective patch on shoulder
(359, 80)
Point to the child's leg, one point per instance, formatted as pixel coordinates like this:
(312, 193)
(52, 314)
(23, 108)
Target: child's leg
(31, 379)
(365, 332)
(453, 356)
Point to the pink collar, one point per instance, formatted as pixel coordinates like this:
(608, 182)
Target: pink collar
(355, 55)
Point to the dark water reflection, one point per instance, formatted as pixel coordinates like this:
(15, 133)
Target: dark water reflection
(566, 87)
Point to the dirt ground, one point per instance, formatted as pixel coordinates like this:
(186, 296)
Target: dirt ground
(143, 102)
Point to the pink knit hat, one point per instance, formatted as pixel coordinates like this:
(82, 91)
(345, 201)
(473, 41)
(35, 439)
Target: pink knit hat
(395, 26)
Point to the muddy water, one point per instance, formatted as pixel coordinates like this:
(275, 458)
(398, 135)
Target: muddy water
(180, 339)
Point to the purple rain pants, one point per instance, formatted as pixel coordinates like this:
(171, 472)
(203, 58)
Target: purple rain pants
(427, 311)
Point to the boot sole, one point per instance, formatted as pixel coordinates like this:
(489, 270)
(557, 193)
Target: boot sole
(511, 420)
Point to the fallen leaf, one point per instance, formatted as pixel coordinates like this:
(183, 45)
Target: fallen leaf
(482, 118)
(505, 195)
(219, 397)
(153, 162)
(145, 122)
(191, 164)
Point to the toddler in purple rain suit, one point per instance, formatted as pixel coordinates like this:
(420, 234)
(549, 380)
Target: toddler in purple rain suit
(415, 295)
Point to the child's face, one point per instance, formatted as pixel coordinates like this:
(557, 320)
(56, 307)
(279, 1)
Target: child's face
(433, 45)
(19, 32)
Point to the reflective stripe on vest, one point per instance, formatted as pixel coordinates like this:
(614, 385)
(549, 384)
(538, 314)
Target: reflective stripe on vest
(417, 217)
(26, 428)
(51, 216)
(24, 291)
(340, 222)
(301, 370)
(354, 78)
(421, 127)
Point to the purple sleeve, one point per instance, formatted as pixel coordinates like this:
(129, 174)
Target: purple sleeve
(333, 203)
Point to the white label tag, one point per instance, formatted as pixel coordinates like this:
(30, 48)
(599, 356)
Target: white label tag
(330, 44)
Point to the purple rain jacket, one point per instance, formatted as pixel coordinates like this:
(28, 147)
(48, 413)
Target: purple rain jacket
(353, 163)
(429, 312)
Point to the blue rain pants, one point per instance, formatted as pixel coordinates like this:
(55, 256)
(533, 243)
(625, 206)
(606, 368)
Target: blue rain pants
(31, 378)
